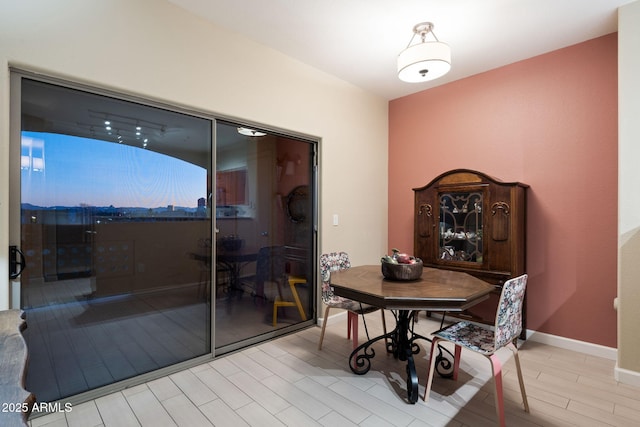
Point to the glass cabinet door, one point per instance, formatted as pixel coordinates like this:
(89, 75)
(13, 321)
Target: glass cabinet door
(461, 226)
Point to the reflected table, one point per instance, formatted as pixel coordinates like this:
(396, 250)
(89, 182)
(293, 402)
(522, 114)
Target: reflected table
(436, 290)
(234, 261)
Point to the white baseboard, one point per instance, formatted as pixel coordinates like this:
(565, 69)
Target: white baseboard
(624, 376)
(336, 317)
(627, 377)
(575, 345)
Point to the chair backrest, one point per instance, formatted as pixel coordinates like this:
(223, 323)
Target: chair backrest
(296, 261)
(509, 315)
(270, 265)
(334, 261)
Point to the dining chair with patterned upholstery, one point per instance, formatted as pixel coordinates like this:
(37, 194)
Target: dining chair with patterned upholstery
(338, 261)
(487, 342)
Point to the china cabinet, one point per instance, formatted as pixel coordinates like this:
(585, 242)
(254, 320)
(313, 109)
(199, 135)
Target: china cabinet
(468, 221)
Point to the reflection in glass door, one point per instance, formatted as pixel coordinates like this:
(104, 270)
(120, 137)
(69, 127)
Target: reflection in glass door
(265, 235)
(116, 230)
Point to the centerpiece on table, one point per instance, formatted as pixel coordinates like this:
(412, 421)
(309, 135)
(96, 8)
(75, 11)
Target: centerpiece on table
(401, 266)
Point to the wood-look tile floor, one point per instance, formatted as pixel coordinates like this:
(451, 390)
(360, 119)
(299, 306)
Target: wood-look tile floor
(289, 382)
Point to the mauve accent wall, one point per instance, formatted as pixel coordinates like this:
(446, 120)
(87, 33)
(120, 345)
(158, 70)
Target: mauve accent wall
(551, 122)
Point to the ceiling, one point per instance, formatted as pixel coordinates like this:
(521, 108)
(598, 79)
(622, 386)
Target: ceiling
(359, 40)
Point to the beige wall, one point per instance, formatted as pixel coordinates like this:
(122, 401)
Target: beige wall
(628, 367)
(153, 49)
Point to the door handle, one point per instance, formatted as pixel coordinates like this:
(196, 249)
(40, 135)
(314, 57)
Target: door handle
(14, 252)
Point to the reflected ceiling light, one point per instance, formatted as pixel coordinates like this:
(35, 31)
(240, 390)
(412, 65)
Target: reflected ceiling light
(426, 60)
(250, 132)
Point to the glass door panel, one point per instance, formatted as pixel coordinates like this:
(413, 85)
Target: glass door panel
(116, 230)
(264, 245)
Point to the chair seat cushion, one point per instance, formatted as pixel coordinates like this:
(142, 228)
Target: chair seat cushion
(469, 335)
(351, 305)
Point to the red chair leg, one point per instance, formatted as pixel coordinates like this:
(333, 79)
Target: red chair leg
(496, 368)
(456, 361)
(353, 321)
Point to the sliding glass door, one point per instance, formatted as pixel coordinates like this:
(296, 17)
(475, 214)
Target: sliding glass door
(142, 257)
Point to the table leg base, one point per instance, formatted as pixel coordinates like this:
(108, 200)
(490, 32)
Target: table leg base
(360, 364)
(401, 342)
(412, 381)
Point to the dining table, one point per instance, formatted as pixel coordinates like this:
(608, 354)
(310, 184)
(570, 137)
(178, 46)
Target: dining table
(441, 290)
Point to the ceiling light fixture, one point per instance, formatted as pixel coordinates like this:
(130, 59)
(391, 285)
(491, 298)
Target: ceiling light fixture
(250, 132)
(424, 61)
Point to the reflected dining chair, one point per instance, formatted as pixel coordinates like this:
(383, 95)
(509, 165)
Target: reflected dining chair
(279, 301)
(292, 255)
(337, 261)
(487, 341)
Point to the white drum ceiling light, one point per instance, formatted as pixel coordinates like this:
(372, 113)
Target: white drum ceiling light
(424, 61)
(250, 132)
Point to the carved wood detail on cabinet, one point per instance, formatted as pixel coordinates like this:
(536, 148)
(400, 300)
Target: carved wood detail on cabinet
(500, 221)
(424, 221)
(468, 221)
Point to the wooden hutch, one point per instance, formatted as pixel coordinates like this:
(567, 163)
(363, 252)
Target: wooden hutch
(468, 221)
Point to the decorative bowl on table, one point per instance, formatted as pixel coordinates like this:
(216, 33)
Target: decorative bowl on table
(401, 267)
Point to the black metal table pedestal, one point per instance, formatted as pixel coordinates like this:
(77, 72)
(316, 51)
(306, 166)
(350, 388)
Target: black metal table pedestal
(401, 343)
